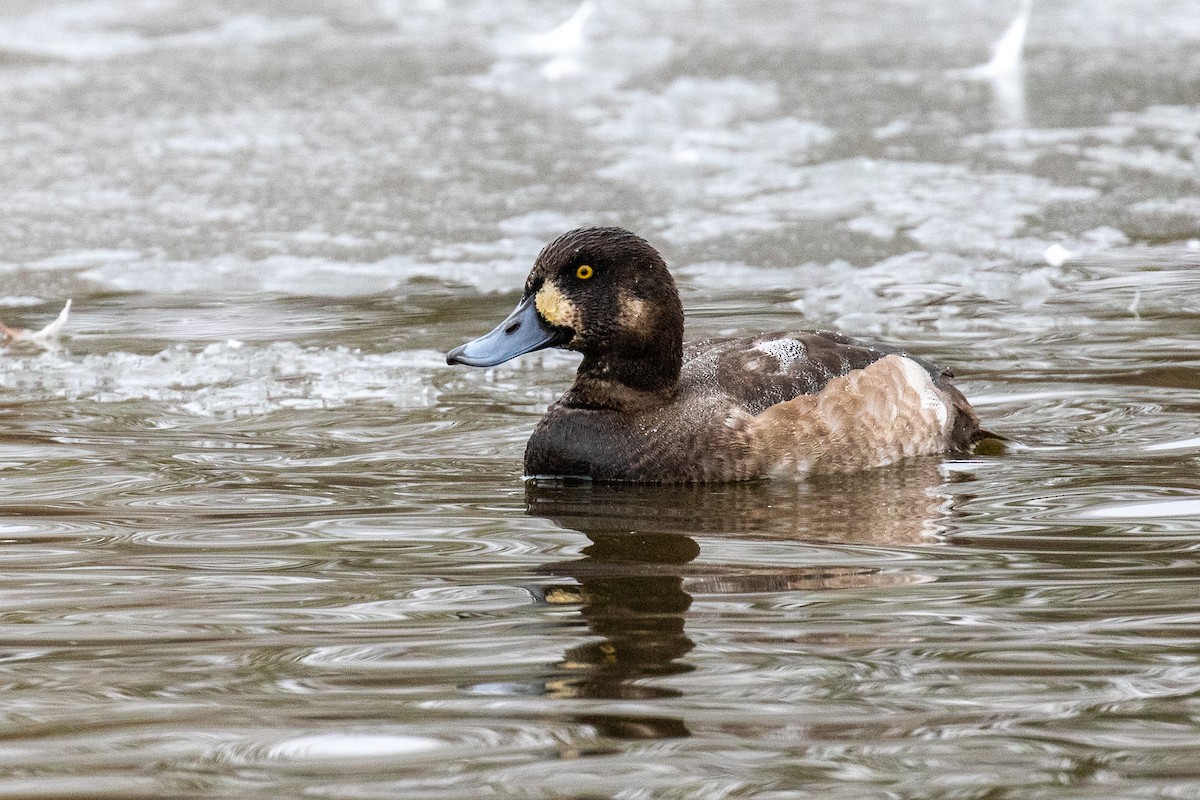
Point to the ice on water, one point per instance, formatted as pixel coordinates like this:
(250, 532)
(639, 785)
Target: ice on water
(423, 153)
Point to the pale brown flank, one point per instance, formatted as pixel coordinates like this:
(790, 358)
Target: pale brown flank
(874, 416)
(555, 308)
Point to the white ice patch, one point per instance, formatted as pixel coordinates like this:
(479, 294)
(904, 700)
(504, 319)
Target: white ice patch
(229, 379)
(1158, 141)
(919, 379)
(939, 206)
(310, 276)
(1007, 51)
(567, 38)
(97, 31)
(46, 338)
(1056, 255)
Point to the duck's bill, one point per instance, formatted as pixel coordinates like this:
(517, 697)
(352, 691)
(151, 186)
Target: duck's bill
(522, 331)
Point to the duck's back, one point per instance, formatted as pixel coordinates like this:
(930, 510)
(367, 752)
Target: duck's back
(761, 371)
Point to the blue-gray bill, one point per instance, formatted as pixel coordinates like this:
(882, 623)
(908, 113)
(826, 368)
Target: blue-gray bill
(522, 331)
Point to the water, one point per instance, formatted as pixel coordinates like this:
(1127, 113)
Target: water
(257, 540)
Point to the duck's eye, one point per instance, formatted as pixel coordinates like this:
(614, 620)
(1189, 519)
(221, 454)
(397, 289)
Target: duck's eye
(584, 272)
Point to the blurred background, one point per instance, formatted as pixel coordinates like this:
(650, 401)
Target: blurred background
(257, 539)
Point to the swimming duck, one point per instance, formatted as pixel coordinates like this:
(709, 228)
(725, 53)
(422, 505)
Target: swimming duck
(646, 407)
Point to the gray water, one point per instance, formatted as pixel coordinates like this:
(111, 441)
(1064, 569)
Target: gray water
(258, 540)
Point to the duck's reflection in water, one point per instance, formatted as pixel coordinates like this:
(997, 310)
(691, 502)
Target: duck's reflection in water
(634, 582)
(630, 591)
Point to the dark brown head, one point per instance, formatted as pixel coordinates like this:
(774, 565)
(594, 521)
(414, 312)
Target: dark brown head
(603, 292)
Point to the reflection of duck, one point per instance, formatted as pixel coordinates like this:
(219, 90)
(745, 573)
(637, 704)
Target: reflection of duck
(643, 408)
(632, 596)
(898, 505)
(635, 582)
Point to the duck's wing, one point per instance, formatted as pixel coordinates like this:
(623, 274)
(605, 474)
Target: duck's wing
(764, 371)
(756, 373)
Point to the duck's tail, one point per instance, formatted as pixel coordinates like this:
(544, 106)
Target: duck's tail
(967, 434)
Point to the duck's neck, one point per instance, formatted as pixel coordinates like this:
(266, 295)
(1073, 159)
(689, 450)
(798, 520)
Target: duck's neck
(624, 383)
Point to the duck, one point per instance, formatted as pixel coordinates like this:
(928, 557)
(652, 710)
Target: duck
(647, 408)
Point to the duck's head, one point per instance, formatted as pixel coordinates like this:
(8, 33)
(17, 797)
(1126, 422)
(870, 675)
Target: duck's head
(603, 292)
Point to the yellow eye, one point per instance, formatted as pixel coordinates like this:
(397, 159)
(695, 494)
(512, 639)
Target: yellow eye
(584, 272)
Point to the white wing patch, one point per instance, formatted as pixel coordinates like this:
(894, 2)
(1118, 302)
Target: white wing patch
(785, 351)
(920, 381)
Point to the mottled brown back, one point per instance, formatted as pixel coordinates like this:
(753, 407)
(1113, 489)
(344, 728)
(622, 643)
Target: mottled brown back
(758, 372)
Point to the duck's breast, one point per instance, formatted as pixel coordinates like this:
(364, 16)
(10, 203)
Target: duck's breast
(691, 440)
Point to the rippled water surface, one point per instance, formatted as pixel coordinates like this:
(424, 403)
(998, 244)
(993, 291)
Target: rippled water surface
(258, 540)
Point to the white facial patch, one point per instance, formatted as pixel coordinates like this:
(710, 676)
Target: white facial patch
(920, 381)
(555, 307)
(635, 314)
